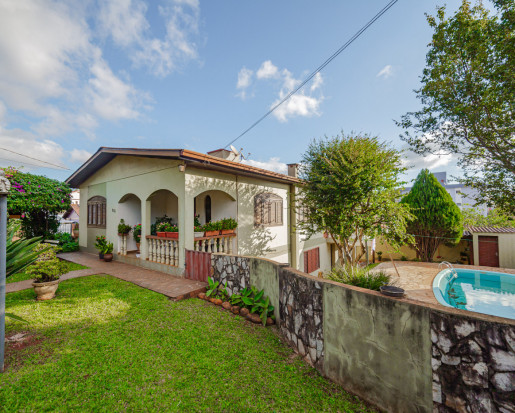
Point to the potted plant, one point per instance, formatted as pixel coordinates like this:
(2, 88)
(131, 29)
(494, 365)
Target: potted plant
(197, 227)
(211, 229)
(108, 252)
(380, 255)
(46, 277)
(123, 228)
(172, 231)
(161, 229)
(228, 226)
(136, 233)
(99, 245)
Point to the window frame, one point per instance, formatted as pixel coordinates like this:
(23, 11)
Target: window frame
(96, 212)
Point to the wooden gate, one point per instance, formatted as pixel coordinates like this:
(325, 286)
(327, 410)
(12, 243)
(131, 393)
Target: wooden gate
(198, 265)
(489, 251)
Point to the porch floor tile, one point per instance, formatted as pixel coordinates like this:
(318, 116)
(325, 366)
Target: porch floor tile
(176, 288)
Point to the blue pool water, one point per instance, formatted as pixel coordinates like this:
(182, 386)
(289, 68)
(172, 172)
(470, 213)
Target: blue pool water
(485, 292)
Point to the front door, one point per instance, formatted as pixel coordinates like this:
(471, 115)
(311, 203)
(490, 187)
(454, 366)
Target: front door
(489, 251)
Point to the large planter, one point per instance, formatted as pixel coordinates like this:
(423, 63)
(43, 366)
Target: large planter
(45, 291)
(108, 257)
(227, 232)
(212, 233)
(173, 235)
(161, 234)
(121, 235)
(198, 234)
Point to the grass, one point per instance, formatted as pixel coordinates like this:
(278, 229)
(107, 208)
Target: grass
(106, 345)
(21, 276)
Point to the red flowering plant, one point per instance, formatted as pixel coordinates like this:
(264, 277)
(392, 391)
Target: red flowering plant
(37, 199)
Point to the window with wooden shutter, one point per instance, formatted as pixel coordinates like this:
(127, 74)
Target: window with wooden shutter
(311, 260)
(268, 210)
(97, 207)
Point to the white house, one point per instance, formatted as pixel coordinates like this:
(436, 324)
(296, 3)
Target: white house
(140, 185)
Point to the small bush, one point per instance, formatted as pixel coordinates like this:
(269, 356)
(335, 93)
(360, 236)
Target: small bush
(45, 271)
(404, 258)
(359, 277)
(66, 242)
(49, 254)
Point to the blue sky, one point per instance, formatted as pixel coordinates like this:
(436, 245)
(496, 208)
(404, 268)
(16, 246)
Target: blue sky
(77, 75)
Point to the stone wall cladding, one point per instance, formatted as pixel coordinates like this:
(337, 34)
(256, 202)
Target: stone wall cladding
(231, 269)
(301, 315)
(473, 364)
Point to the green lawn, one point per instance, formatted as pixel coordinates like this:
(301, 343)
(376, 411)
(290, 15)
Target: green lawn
(106, 345)
(21, 276)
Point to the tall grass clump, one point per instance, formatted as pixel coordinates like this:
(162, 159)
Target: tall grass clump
(359, 277)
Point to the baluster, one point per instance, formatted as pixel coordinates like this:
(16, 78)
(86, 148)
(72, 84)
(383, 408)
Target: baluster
(158, 258)
(226, 240)
(174, 253)
(230, 239)
(168, 245)
(149, 249)
(125, 244)
(163, 251)
(153, 257)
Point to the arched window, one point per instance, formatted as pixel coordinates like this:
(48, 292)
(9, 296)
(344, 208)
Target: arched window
(207, 208)
(268, 210)
(97, 212)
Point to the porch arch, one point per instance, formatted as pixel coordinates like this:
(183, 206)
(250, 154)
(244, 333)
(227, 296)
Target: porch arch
(129, 209)
(221, 204)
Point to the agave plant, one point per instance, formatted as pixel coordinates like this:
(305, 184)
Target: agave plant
(22, 252)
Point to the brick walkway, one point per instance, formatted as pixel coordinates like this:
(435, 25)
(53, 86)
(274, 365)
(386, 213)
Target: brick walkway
(176, 288)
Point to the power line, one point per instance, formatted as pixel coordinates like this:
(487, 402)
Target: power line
(318, 69)
(30, 157)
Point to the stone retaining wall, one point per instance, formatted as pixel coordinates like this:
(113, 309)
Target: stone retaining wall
(399, 355)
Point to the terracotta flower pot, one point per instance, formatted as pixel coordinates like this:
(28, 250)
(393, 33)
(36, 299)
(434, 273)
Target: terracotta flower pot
(161, 234)
(137, 245)
(226, 232)
(108, 257)
(173, 235)
(45, 291)
(211, 233)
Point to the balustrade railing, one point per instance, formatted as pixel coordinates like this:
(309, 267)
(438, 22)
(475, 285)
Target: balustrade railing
(163, 250)
(216, 243)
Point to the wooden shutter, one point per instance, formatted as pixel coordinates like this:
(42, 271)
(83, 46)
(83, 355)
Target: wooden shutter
(97, 207)
(311, 260)
(268, 210)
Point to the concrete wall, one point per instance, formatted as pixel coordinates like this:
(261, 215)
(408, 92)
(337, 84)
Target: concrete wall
(443, 253)
(400, 355)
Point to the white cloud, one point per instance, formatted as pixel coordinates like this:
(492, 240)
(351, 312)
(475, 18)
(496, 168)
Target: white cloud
(267, 70)
(126, 23)
(25, 143)
(273, 164)
(429, 161)
(52, 71)
(385, 72)
(244, 81)
(297, 105)
(79, 155)
(304, 103)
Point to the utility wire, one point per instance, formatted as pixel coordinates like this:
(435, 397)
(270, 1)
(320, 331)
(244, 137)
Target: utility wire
(36, 159)
(318, 69)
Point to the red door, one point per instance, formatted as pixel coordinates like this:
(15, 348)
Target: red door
(198, 265)
(489, 251)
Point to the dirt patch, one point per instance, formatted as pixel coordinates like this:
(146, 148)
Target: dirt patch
(16, 343)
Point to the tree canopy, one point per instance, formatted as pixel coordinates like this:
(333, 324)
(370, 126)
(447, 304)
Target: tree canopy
(495, 218)
(350, 191)
(37, 199)
(468, 98)
(437, 218)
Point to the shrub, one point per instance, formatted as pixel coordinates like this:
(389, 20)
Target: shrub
(22, 252)
(46, 271)
(66, 242)
(100, 242)
(359, 277)
(229, 223)
(49, 251)
(136, 232)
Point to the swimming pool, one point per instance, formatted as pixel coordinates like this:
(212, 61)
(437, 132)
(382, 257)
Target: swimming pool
(485, 292)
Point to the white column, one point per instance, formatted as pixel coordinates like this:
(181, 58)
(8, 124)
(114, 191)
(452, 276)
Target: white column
(145, 228)
(186, 215)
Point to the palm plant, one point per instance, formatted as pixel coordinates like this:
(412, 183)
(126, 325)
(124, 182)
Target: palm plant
(22, 252)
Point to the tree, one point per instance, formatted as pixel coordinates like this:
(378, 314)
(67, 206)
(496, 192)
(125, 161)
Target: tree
(350, 190)
(495, 218)
(437, 218)
(468, 98)
(37, 199)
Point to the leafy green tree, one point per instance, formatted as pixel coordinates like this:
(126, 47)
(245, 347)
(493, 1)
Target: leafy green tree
(437, 218)
(37, 199)
(350, 191)
(468, 98)
(495, 218)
